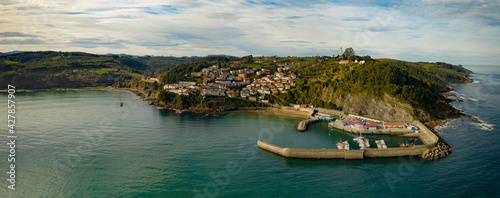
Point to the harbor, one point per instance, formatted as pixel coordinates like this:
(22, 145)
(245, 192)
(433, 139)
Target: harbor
(342, 154)
(360, 127)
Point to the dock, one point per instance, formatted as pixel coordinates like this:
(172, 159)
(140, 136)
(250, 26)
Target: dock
(304, 124)
(342, 154)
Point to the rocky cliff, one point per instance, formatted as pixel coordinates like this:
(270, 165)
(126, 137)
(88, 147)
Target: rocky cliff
(386, 107)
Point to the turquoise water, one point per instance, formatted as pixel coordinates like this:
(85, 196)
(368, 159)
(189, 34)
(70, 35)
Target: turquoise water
(83, 144)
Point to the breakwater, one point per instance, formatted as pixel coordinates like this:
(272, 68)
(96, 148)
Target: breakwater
(302, 126)
(343, 154)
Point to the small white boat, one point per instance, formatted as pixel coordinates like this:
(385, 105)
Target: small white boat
(367, 143)
(383, 144)
(340, 145)
(346, 145)
(379, 145)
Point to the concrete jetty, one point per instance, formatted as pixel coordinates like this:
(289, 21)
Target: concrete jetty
(303, 125)
(343, 154)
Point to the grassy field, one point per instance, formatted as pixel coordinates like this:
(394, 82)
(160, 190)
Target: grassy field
(10, 62)
(198, 80)
(105, 70)
(302, 60)
(135, 75)
(253, 65)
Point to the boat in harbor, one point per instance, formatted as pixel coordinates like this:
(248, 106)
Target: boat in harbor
(367, 143)
(340, 145)
(382, 142)
(361, 142)
(379, 145)
(346, 145)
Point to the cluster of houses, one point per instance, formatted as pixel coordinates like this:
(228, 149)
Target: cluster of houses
(223, 81)
(231, 78)
(356, 61)
(150, 78)
(270, 84)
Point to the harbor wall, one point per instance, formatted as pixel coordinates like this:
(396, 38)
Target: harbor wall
(396, 152)
(426, 135)
(304, 124)
(342, 154)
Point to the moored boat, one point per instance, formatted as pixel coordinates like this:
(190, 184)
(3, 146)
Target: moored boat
(340, 145)
(346, 145)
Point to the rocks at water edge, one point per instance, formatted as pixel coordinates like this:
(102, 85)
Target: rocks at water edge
(442, 149)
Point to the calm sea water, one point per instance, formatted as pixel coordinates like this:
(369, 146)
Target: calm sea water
(83, 144)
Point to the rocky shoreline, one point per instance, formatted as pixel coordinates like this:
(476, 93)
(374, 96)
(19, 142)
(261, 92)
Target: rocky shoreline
(442, 149)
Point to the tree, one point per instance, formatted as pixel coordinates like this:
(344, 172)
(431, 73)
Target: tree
(349, 52)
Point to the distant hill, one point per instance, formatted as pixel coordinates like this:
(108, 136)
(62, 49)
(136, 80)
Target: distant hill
(161, 64)
(11, 52)
(49, 69)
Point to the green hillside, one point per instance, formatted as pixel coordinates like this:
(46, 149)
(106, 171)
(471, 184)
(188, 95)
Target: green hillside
(36, 70)
(418, 84)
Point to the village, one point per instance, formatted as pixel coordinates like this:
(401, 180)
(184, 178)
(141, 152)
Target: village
(217, 81)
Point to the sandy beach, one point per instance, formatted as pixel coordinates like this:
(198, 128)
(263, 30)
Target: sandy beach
(281, 112)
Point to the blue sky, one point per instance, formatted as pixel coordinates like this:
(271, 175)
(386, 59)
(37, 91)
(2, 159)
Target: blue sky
(459, 31)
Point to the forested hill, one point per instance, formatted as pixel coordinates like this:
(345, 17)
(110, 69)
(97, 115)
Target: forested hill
(383, 88)
(161, 64)
(36, 70)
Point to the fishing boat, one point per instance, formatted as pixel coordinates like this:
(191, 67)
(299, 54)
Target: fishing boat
(379, 145)
(367, 143)
(340, 145)
(382, 142)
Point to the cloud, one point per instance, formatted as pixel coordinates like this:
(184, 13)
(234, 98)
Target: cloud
(295, 42)
(15, 34)
(294, 17)
(483, 11)
(410, 30)
(355, 19)
(14, 42)
(94, 43)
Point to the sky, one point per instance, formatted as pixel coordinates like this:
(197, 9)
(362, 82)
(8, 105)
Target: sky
(458, 32)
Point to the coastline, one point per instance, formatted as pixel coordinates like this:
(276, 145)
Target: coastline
(282, 111)
(438, 149)
(449, 99)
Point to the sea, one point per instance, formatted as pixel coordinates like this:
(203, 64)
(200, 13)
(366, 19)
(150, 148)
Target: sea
(83, 143)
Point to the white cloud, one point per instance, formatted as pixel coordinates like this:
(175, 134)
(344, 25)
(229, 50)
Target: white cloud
(203, 27)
